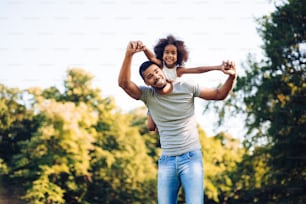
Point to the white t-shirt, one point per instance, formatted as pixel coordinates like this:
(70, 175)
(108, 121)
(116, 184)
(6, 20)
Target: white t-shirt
(170, 73)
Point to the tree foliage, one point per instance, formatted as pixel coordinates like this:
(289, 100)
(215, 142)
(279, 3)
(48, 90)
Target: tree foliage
(273, 94)
(82, 150)
(16, 122)
(222, 154)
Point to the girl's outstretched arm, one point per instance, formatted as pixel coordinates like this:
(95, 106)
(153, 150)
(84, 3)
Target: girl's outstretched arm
(222, 92)
(197, 70)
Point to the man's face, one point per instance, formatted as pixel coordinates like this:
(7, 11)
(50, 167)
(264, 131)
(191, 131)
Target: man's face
(154, 76)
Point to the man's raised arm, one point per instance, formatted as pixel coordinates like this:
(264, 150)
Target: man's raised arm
(124, 79)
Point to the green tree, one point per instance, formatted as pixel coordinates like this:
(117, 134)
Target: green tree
(56, 159)
(84, 150)
(16, 122)
(222, 154)
(273, 94)
(249, 177)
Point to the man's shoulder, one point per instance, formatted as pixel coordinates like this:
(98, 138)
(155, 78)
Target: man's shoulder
(184, 82)
(187, 86)
(146, 91)
(145, 88)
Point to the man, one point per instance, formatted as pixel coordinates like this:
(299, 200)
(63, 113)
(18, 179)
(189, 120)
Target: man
(171, 105)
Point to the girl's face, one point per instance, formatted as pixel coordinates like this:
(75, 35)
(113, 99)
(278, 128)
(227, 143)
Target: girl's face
(170, 55)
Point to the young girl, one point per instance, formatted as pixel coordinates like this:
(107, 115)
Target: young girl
(170, 55)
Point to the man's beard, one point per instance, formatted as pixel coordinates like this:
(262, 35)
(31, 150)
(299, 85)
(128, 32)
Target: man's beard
(160, 81)
(161, 88)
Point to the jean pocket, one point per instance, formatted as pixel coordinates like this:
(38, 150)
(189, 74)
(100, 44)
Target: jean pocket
(195, 154)
(162, 158)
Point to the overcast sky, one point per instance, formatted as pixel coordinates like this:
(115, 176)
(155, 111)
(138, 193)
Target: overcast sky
(41, 39)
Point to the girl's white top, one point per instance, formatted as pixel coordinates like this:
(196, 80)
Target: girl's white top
(170, 73)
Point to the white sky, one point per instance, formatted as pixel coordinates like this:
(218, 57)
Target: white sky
(40, 39)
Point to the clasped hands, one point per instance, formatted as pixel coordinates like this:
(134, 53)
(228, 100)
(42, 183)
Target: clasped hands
(229, 68)
(135, 46)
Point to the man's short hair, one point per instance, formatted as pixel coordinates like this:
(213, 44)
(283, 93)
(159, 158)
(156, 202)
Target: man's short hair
(145, 66)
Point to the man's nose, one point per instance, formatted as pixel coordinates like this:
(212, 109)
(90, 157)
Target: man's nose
(156, 76)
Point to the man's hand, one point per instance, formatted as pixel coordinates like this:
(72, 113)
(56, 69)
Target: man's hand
(135, 46)
(229, 67)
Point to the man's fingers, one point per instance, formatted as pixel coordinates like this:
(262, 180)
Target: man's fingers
(136, 45)
(131, 45)
(141, 45)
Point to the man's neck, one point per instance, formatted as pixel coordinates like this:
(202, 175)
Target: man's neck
(166, 89)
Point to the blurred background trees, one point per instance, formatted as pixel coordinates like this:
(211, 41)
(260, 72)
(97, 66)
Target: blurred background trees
(273, 92)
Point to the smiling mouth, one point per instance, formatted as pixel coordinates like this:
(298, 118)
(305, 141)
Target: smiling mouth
(158, 81)
(169, 62)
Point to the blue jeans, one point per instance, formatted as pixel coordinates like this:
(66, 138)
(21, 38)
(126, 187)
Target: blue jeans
(184, 170)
